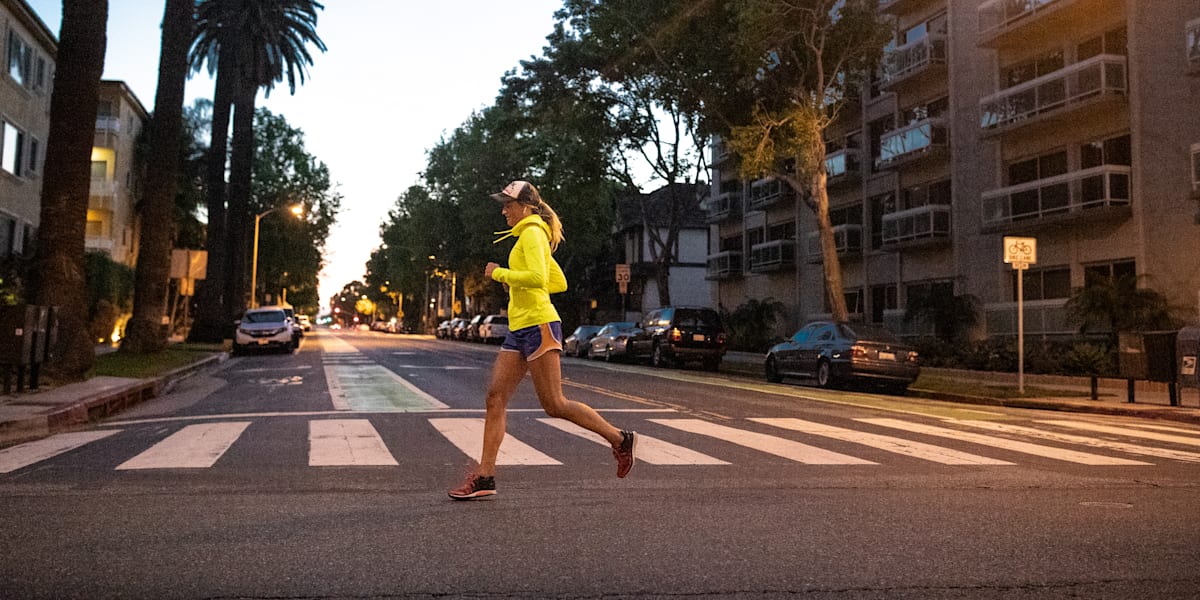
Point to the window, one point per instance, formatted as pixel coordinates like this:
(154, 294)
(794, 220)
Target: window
(755, 236)
(929, 110)
(1032, 69)
(20, 60)
(731, 244)
(850, 215)
(854, 301)
(877, 129)
(883, 298)
(1108, 272)
(880, 205)
(12, 158)
(1112, 42)
(8, 235)
(924, 292)
(94, 229)
(782, 231)
(1113, 151)
(1042, 167)
(34, 155)
(937, 192)
(99, 170)
(1042, 284)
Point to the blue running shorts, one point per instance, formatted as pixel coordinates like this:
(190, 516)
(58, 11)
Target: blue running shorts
(534, 341)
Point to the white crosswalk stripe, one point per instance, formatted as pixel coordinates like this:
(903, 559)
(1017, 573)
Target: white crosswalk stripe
(762, 442)
(1083, 440)
(467, 435)
(193, 447)
(649, 450)
(1004, 443)
(19, 457)
(1149, 435)
(346, 442)
(920, 450)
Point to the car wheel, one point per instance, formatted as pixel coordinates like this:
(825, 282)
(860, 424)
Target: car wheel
(657, 358)
(772, 370)
(608, 355)
(824, 374)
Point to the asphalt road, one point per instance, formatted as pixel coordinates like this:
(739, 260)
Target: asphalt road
(322, 474)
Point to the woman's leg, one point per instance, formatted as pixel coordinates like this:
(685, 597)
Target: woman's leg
(507, 372)
(547, 382)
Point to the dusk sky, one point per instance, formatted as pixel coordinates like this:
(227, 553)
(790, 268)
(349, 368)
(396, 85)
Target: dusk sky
(397, 76)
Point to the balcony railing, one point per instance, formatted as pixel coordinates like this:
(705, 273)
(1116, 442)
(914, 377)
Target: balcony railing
(1193, 45)
(1057, 91)
(108, 124)
(99, 243)
(1106, 185)
(847, 238)
(724, 206)
(913, 140)
(100, 186)
(765, 192)
(842, 165)
(772, 256)
(922, 222)
(999, 16)
(1042, 318)
(724, 265)
(913, 58)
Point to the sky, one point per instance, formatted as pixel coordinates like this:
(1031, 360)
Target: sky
(398, 75)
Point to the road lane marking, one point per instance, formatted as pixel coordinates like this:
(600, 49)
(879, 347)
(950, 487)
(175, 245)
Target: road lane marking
(1084, 440)
(193, 447)
(762, 442)
(322, 413)
(26, 454)
(1150, 435)
(650, 450)
(1004, 443)
(346, 442)
(920, 450)
(356, 382)
(467, 435)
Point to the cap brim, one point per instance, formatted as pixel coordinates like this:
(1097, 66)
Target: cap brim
(502, 197)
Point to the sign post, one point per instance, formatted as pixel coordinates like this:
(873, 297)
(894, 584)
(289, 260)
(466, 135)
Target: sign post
(1020, 252)
(622, 273)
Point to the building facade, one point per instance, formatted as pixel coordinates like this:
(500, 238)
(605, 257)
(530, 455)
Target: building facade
(29, 50)
(1073, 122)
(114, 192)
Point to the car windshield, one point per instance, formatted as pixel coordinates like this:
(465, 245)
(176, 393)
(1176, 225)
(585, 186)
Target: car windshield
(264, 316)
(697, 318)
(873, 333)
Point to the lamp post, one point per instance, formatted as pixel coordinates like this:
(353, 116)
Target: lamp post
(297, 210)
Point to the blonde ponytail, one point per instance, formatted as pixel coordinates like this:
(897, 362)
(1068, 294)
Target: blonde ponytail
(551, 218)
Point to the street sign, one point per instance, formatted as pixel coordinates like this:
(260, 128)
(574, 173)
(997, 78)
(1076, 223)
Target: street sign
(1020, 252)
(623, 278)
(189, 264)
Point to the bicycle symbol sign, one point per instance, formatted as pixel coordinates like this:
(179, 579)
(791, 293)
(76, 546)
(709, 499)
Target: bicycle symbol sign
(1020, 251)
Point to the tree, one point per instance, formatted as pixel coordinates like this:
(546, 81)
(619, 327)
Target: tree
(952, 317)
(58, 273)
(1117, 304)
(145, 332)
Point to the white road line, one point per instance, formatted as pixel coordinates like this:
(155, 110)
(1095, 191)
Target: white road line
(322, 413)
(770, 444)
(1150, 435)
(1083, 440)
(467, 435)
(1166, 428)
(1004, 443)
(650, 450)
(920, 450)
(21, 456)
(346, 442)
(193, 447)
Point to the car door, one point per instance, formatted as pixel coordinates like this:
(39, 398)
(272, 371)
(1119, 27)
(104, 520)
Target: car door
(819, 345)
(643, 343)
(788, 358)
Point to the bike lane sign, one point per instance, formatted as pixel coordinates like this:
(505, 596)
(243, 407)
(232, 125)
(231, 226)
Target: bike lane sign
(1020, 252)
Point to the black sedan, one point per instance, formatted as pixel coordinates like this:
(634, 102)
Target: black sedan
(837, 353)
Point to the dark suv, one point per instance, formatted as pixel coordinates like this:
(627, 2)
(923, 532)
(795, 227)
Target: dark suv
(678, 334)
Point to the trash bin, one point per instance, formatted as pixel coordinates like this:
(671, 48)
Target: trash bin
(1187, 349)
(1147, 355)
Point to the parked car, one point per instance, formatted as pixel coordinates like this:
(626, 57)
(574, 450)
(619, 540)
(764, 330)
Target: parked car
(290, 313)
(576, 344)
(837, 353)
(443, 329)
(262, 328)
(459, 330)
(305, 322)
(678, 334)
(473, 328)
(611, 341)
(493, 329)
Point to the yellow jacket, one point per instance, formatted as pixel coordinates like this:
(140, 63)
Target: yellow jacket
(532, 275)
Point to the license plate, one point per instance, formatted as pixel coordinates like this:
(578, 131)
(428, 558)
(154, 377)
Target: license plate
(698, 337)
(263, 342)
(887, 356)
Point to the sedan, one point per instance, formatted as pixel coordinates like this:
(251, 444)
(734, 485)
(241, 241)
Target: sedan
(576, 344)
(493, 329)
(837, 353)
(611, 342)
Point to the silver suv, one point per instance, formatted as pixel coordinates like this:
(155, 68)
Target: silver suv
(267, 327)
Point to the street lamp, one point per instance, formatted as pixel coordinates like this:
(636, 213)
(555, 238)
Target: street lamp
(295, 209)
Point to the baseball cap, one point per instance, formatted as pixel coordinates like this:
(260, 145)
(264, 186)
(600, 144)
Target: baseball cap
(518, 191)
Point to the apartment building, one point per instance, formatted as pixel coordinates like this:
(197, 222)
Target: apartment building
(29, 50)
(111, 217)
(1073, 122)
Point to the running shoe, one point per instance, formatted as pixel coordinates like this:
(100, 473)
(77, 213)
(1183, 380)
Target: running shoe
(623, 452)
(476, 486)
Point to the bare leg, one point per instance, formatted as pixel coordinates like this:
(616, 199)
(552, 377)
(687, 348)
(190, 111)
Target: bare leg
(507, 372)
(547, 381)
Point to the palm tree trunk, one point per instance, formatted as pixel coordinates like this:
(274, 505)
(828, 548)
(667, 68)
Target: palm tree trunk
(145, 332)
(58, 278)
(241, 166)
(212, 323)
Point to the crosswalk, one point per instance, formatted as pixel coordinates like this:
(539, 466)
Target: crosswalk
(353, 440)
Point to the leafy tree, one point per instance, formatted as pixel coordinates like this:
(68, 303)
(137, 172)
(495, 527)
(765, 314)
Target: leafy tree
(145, 332)
(1117, 304)
(752, 325)
(59, 268)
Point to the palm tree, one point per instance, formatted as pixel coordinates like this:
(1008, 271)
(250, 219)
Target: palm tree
(952, 317)
(259, 43)
(58, 278)
(145, 332)
(1118, 304)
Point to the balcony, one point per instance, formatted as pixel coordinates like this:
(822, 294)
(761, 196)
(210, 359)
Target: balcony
(724, 206)
(1102, 191)
(915, 226)
(724, 265)
(924, 56)
(1011, 23)
(766, 192)
(843, 166)
(896, 7)
(1058, 93)
(102, 244)
(847, 238)
(911, 142)
(720, 153)
(1193, 46)
(108, 125)
(100, 186)
(772, 256)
